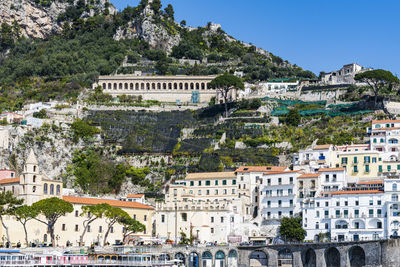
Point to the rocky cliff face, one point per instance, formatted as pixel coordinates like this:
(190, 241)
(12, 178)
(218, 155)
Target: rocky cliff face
(144, 27)
(37, 21)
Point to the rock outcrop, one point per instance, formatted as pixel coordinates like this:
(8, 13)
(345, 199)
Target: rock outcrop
(144, 28)
(37, 21)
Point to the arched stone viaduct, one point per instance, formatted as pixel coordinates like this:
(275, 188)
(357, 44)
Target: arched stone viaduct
(344, 254)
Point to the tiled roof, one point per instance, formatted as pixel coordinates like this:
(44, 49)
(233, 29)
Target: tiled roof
(10, 181)
(209, 175)
(115, 203)
(135, 196)
(365, 192)
(331, 169)
(385, 121)
(280, 172)
(321, 147)
(371, 182)
(260, 168)
(309, 175)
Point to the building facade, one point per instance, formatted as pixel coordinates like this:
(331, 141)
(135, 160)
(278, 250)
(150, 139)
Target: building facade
(185, 89)
(343, 76)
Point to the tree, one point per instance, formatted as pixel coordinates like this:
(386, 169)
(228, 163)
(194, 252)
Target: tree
(169, 11)
(293, 117)
(23, 214)
(83, 129)
(291, 229)
(377, 80)
(113, 215)
(131, 226)
(183, 23)
(93, 212)
(52, 209)
(224, 84)
(8, 204)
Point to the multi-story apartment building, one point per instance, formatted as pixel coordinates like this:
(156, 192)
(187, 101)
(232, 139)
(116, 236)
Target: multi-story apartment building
(359, 213)
(205, 206)
(314, 157)
(278, 193)
(249, 178)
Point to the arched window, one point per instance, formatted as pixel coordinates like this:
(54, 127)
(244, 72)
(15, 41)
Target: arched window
(395, 197)
(120, 86)
(104, 86)
(34, 189)
(197, 86)
(109, 86)
(175, 86)
(126, 86)
(45, 189)
(131, 86)
(159, 86)
(164, 86)
(52, 189)
(34, 168)
(115, 86)
(34, 179)
(147, 86)
(58, 189)
(394, 187)
(153, 86)
(137, 86)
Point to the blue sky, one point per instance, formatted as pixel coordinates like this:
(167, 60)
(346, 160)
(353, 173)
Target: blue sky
(316, 35)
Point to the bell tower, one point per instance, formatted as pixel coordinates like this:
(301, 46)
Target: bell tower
(31, 180)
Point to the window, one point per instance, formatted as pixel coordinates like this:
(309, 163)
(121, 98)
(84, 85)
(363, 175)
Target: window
(34, 179)
(379, 225)
(366, 168)
(346, 203)
(212, 230)
(232, 219)
(58, 189)
(191, 183)
(379, 212)
(207, 192)
(371, 202)
(291, 203)
(371, 213)
(355, 169)
(290, 191)
(112, 229)
(234, 181)
(100, 229)
(367, 159)
(269, 181)
(34, 189)
(379, 202)
(163, 218)
(337, 213)
(326, 225)
(326, 213)
(344, 160)
(175, 192)
(88, 228)
(199, 192)
(374, 140)
(199, 183)
(373, 160)
(279, 180)
(145, 218)
(63, 227)
(389, 168)
(76, 213)
(355, 160)
(76, 228)
(223, 182)
(216, 182)
(216, 192)
(212, 219)
(52, 189)
(208, 182)
(317, 214)
(225, 192)
(134, 216)
(222, 219)
(380, 168)
(395, 197)
(337, 203)
(279, 203)
(326, 177)
(268, 204)
(317, 225)
(291, 180)
(233, 191)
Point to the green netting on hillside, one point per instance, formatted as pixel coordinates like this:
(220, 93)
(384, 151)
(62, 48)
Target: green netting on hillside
(332, 110)
(289, 102)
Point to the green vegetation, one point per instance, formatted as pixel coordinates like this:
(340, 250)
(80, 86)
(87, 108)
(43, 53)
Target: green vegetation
(224, 84)
(82, 129)
(377, 81)
(23, 214)
(8, 204)
(96, 174)
(291, 229)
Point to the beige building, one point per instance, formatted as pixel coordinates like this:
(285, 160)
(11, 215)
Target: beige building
(181, 88)
(32, 187)
(205, 206)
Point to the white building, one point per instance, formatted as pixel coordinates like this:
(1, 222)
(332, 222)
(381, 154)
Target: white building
(278, 86)
(385, 136)
(278, 198)
(343, 76)
(314, 157)
(354, 214)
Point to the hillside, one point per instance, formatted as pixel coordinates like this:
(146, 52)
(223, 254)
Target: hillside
(77, 41)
